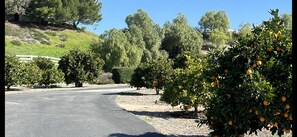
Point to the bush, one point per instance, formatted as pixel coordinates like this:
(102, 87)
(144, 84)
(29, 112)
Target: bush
(122, 74)
(38, 35)
(16, 42)
(12, 71)
(61, 45)
(63, 38)
(51, 33)
(80, 67)
(50, 73)
(153, 74)
(31, 74)
(187, 86)
(105, 78)
(252, 83)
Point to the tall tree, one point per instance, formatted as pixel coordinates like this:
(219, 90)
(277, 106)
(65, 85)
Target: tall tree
(180, 37)
(151, 33)
(214, 20)
(287, 20)
(16, 7)
(214, 26)
(89, 12)
(116, 50)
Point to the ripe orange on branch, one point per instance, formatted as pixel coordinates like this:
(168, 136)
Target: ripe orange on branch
(249, 72)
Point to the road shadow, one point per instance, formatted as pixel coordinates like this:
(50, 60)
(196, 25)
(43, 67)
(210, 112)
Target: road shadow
(152, 134)
(126, 94)
(166, 115)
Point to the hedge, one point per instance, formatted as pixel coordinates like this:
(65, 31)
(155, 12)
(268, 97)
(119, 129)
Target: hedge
(122, 74)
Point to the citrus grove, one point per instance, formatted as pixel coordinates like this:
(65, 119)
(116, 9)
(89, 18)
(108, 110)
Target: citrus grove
(252, 82)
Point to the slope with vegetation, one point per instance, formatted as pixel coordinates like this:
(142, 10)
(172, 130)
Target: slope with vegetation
(25, 39)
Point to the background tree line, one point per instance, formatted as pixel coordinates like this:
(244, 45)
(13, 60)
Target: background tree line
(55, 12)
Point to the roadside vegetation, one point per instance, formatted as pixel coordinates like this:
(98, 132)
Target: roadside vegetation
(244, 82)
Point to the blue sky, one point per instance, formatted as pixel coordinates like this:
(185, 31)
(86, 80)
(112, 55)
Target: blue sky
(114, 12)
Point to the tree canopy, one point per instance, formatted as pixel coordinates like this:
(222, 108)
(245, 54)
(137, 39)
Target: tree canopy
(180, 37)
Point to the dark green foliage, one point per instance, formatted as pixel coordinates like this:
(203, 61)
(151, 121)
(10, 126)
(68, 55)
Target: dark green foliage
(43, 63)
(30, 73)
(59, 12)
(16, 42)
(50, 73)
(12, 71)
(153, 74)
(137, 78)
(122, 74)
(180, 38)
(187, 86)
(249, 81)
(80, 67)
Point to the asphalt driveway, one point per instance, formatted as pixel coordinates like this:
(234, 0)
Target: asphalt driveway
(72, 113)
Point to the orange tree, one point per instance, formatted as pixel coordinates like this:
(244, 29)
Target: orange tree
(252, 83)
(187, 86)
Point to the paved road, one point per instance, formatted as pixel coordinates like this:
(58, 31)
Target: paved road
(76, 113)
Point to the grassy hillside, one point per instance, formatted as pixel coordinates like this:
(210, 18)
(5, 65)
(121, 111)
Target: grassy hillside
(24, 39)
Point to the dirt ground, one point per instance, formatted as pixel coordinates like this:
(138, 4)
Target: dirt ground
(146, 105)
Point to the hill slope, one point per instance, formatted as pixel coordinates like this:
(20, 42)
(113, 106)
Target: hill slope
(24, 39)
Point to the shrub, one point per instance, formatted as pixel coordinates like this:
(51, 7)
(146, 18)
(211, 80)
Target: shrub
(187, 86)
(16, 42)
(252, 83)
(61, 45)
(80, 67)
(12, 71)
(122, 74)
(155, 74)
(43, 63)
(63, 37)
(31, 74)
(51, 33)
(105, 78)
(38, 35)
(50, 73)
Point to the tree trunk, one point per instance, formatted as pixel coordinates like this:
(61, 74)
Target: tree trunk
(74, 25)
(196, 111)
(16, 17)
(8, 88)
(157, 91)
(78, 84)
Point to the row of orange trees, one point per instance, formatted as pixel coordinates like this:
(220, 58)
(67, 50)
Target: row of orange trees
(244, 89)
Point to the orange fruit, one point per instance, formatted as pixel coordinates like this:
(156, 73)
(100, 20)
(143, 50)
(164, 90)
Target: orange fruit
(277, 34)
(250, 110)
(287, 106)
(286, 115)
(254, 65)
(269, 49)
(277, 113)
(226, 70)
(284, 98)
(257, 112)
(262, 119)
(290, 117)
(275, 124)
(230, 122)
(249, 72)
(266, 103)
(259, 62)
